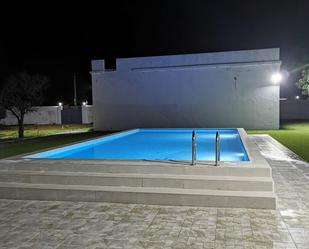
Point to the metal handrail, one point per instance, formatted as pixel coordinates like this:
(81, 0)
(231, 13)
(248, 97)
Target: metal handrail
(193, 148)
(217, 148)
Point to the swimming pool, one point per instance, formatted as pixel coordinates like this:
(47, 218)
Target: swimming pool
(155, 144)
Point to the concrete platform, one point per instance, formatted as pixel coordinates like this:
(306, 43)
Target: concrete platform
(232, 184)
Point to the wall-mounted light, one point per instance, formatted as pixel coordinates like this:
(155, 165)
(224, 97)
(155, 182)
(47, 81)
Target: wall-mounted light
(235, 82)
(276, 78)
(60, 104)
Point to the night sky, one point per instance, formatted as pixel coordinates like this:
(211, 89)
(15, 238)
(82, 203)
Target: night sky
(58, 40)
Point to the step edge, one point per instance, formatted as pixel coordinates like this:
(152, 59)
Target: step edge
(150, 190)
(144, 176)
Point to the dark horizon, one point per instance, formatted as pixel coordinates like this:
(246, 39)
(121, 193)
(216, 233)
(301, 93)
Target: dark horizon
(61, 42)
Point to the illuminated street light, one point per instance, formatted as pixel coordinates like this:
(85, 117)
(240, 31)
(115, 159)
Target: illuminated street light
(297, 97)
(84, 103)
(60, 104)
(276, 78)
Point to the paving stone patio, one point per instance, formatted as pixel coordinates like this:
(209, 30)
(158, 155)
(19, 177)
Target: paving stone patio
(44, 224)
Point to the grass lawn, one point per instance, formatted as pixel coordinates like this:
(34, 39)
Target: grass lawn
(294, 135)
(11, 132)
(29, 145)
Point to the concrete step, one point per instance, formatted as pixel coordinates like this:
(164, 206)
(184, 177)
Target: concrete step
(234, 183)
(247, 169)
(145, 195)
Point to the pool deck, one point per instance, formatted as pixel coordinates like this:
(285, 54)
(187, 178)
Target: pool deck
(59, 225)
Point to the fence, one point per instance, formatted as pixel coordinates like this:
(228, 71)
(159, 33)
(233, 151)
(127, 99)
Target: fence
(294, 109)
(40, 115)
(289, 110)
(53, 115)
(87, 114)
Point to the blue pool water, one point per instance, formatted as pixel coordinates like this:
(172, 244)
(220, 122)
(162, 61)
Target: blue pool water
(155, 144)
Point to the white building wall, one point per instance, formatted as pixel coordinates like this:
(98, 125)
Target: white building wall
(40, 115)
(195, 90)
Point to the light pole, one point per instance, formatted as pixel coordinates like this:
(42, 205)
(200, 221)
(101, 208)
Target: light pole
(75, 97)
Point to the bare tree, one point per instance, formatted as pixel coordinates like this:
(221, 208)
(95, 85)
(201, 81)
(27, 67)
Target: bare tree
(2, 112)
(20, 93)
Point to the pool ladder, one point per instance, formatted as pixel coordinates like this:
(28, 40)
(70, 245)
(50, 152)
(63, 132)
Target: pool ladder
(217, 159)
(217, 148)
(193, 148)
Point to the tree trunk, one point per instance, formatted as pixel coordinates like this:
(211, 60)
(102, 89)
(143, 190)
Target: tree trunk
(21, 128)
